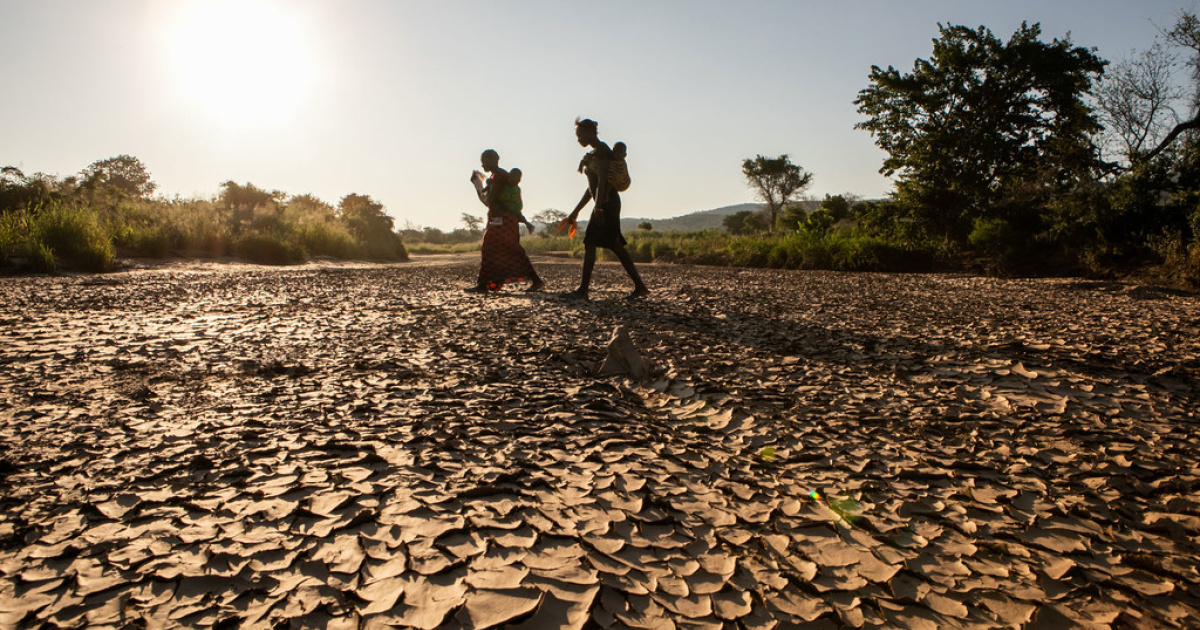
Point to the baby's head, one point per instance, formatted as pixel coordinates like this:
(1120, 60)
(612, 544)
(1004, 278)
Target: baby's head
(620, 151)
(514, 176)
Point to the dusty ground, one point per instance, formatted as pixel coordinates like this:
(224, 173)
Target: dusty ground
(357, 446)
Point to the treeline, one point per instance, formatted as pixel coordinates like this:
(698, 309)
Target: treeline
(1017, 156)
(1021, 156)
(836, 249)
(1029, 156)
(87, 221)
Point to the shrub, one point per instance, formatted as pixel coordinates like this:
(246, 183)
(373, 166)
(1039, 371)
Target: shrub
(269, 249)
(75, 234)
(328, 239)
(13, 235)
(40, 258)
(641, 250)
(545, 243)
(441, 248)
(144, 240)
(384, 246)
(200, 229)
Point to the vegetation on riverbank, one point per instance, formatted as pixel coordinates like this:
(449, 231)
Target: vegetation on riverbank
(88, 222)
(1019, 156)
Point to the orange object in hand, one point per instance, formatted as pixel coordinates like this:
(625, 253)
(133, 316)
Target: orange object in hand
(568, 226)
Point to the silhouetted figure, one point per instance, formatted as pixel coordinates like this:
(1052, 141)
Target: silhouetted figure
(604, 225)
(502, 259)
(511, 196)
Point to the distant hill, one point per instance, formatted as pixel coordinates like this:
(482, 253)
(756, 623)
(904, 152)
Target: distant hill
(702, 220)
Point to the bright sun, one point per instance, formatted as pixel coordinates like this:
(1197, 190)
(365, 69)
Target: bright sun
(243, 63)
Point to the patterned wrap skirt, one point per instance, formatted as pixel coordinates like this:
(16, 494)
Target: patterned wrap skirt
(503, 260)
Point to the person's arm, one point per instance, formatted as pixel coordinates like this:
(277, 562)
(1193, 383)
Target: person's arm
(587, 196)
(480, 189)
(603, 159)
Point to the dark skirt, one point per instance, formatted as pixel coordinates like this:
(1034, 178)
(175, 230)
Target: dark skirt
(604, 228)
(503, 260)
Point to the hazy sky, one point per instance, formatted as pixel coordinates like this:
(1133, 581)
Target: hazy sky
(396, 99)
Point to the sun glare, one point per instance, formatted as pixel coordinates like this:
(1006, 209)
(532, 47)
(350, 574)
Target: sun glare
(241, 63)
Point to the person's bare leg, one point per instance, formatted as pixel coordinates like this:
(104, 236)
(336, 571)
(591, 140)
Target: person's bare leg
(535, 283)
(585, 280)
(639, 287)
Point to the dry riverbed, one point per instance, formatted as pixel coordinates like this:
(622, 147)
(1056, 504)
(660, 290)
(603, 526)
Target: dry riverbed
(368, 446)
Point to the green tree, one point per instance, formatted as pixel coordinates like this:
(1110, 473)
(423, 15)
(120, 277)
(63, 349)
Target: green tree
(792, 216)
(984, 129)
(364, 215)
(368, 222)
(744, 222)
(310, 204)
(11, 176)
(472, 222)
(235, 196)
(838, 206)
(776, 181)
(124, 174)
(549, 216)
(549, 219)
(18, 190)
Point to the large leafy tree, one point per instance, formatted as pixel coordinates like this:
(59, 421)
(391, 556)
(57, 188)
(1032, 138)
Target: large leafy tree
(367, 220)
(776, 181)
(235, 196)
(364, 216)
(123, 173)
(983, 129)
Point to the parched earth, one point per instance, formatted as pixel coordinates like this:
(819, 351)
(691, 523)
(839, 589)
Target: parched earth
(367, 446)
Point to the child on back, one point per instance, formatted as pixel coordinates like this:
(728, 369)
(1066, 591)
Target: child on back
(511, 196)
(618, 169)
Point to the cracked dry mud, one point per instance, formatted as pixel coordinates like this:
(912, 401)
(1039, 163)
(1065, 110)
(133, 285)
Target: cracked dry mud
(369, 447)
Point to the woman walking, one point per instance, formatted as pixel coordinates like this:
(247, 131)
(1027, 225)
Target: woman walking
(604, 225)
(502, 259)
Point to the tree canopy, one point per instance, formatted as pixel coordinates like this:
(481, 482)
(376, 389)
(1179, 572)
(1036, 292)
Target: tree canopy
(776, 181)
(123, 173)
(368, 221)
(984, 129)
